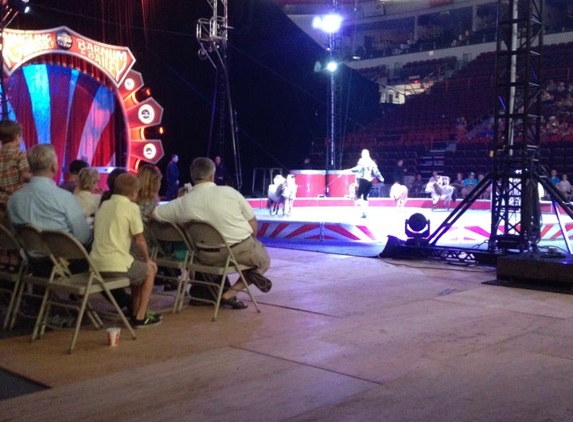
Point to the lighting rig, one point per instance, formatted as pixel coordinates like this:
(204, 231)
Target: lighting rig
(212, 34)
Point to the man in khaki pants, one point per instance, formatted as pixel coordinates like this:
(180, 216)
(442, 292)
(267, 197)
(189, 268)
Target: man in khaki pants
(227, 210)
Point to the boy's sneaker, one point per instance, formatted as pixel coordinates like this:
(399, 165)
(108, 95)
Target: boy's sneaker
(154, 315)
(148, 321)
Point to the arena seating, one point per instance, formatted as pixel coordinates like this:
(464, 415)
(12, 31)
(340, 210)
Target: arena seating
(427, 122)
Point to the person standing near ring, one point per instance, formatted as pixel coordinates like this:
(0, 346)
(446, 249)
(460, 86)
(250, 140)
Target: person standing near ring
(172, 178)
(366, 170)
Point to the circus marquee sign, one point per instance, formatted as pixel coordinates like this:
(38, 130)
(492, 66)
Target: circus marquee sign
(22, 46)
(82, 96)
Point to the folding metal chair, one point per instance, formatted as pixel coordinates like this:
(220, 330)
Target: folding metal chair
(12, 277)
(33, 247)
(64, 248)
(162, 237)
(203, 236)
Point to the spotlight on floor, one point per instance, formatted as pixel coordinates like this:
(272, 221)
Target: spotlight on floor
(417, 227)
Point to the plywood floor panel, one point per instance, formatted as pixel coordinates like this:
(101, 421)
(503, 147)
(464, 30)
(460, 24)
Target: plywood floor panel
(339, 338)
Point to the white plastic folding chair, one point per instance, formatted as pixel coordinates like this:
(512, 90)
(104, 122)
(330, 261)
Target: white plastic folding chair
(203, 236)
(64, 248)
(163, 237)
(11, 276)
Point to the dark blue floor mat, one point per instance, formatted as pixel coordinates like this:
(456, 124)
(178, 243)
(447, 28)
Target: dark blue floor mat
(369, 250)
(12, 385)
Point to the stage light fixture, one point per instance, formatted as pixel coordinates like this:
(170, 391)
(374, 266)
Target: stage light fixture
(330, 23)
(143, 94)
(19, 5)
(153, 132)
(332, 66)
(417, 227)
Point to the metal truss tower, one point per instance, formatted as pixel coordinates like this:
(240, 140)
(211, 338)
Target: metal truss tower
(517, 126)
(212, 35)
(517, 173)
(334, 105)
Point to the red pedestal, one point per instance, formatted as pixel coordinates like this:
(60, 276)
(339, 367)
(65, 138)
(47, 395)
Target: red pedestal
(310, 183)
(339, 182)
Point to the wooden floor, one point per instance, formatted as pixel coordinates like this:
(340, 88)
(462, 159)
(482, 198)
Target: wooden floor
(339, 339)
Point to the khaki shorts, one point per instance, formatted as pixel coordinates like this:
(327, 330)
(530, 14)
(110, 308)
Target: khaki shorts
(136, 273)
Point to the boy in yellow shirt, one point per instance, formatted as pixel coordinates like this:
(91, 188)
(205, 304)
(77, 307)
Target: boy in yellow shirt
(118, 222)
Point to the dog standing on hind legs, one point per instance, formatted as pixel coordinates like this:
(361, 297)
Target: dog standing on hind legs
(440, 189)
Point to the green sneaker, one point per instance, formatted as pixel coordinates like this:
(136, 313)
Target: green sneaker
(152, 314)
(148, 321)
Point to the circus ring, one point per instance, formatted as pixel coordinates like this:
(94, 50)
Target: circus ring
(82, 96)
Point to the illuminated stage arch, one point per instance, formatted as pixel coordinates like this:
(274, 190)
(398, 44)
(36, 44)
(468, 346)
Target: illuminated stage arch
(82, 96)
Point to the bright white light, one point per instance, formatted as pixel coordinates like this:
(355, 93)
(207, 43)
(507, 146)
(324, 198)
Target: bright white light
(317, 22)
(327, 23)
(332, 66)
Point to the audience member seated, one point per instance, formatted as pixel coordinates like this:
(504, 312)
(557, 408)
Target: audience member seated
(470, 182)
(487, 192)
(231, 214)
(418, 187)
(110, 181)
(14, 168)
(14, 174)
(458, 184)
(564, 187)
(554, 178)
(71, 182)
(43, 204)
(117, 223)
(150, 183)
(85, 192)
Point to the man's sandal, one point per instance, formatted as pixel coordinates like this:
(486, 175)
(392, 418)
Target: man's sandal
(234, 303)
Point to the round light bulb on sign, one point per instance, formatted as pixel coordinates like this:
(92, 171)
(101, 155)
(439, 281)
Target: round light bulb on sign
(149, 151)
(129, 84)
(146, 114)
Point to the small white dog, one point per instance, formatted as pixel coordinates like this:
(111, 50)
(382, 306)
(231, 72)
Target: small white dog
(399, 193)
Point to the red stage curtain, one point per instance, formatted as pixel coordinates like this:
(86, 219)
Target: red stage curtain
(79, 112)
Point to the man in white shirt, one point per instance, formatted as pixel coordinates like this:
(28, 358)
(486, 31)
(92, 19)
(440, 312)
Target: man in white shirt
(227, 210)
(564, 187)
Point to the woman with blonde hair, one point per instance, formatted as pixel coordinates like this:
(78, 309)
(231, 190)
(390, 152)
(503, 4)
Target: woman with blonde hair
(148, 197)
(87, 181)
(366, 170)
